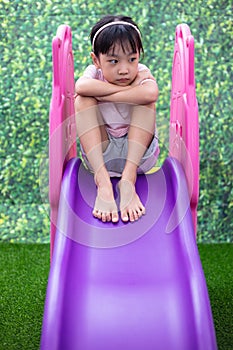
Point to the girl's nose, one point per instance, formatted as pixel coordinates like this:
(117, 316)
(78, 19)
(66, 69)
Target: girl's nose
(123, 70)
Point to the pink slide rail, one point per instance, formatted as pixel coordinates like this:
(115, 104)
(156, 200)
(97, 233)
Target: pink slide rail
(184, 123)
(62, 132)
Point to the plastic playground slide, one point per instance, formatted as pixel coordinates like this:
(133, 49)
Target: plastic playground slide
(128, 286)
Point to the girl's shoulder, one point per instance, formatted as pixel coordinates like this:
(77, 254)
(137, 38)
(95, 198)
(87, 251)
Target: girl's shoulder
(92, 72)
(142, 67)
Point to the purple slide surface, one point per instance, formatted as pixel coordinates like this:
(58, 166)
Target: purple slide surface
(134, 286)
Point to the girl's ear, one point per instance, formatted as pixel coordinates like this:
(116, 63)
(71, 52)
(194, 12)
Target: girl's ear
(95, 60)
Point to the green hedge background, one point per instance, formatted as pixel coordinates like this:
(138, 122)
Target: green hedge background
(27, 29)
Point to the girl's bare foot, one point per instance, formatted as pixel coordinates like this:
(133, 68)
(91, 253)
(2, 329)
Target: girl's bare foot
(105, 207)
(131, 206)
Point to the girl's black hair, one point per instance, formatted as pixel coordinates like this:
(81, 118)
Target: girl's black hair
(118, 33)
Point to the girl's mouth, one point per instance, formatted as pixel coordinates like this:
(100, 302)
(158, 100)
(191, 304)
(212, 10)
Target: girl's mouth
(123, 80)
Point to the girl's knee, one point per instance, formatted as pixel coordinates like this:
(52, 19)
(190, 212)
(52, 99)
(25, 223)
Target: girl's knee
(151, 106)
(84, 102)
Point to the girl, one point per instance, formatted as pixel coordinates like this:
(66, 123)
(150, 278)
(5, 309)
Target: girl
(115, 116)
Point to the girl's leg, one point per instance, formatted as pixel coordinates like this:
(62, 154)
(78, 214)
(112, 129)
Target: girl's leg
(140, 135)
(94, 140)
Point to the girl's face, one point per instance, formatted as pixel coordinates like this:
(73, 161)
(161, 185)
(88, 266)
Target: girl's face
(119, 67)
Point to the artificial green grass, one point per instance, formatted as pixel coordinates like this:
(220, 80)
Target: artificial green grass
(217, 263)
(23, 280)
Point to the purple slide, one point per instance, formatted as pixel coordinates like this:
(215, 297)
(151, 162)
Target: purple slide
(126, 286)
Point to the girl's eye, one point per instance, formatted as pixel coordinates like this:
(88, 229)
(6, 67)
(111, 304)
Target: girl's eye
(113, 61)
(132, 59)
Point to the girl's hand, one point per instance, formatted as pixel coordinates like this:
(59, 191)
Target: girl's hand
(142, 75)
(102, 98)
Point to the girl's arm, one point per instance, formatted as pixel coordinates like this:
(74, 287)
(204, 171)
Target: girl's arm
(97, 88)
(143, 90)
(142, 94)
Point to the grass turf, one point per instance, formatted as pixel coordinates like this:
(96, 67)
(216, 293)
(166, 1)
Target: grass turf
(217, 263)
(23, 279)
